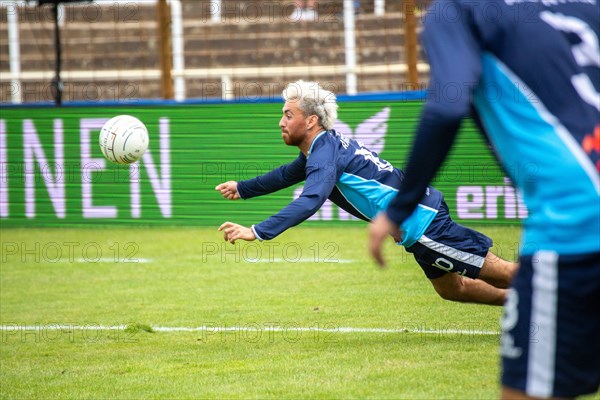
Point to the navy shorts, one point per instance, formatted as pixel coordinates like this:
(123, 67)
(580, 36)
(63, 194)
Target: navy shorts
(449, 247)
(550, 341)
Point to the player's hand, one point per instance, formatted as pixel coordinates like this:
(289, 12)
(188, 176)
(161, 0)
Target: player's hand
(233, 232)
(378, 231)
(229, 190)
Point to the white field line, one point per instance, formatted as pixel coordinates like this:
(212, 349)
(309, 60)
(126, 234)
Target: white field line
(216, 329)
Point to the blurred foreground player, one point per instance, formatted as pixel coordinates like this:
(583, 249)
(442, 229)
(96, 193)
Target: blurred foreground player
(530, 69)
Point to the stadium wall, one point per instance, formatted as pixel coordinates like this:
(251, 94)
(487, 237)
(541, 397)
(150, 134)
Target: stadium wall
(52, 172)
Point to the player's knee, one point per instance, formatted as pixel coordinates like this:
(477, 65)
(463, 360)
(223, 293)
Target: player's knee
(498, 272)
(450, 294)
(449, 288)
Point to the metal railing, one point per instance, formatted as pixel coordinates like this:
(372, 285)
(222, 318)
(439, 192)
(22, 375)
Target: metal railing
(173, 70)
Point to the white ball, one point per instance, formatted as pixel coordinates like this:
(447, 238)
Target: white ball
(123, 139)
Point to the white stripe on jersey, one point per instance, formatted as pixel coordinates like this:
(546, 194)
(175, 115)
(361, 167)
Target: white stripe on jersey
(542, 346)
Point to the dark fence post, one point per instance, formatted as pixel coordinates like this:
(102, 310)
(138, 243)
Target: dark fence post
(166, 52)
(410, 43)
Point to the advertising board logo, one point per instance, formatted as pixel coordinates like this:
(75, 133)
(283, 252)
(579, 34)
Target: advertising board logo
(48, 167)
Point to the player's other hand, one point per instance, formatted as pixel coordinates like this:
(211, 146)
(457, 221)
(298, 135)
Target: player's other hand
(378, 231)
(233, 232)
(229, 190)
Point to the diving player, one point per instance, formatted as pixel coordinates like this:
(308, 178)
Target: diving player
(338, 168)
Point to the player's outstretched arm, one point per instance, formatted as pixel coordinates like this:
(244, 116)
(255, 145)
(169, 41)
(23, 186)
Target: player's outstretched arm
(233, 232)
(228, 190)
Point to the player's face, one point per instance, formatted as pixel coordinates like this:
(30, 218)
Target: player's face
(293, 124)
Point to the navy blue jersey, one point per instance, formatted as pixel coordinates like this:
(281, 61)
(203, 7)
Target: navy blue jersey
(530, 70)
(342, 170)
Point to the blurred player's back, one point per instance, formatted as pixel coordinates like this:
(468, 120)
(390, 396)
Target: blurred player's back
(531, 71)
(529, 52)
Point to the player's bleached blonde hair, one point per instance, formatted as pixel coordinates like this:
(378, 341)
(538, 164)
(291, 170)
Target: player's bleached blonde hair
(313, 100)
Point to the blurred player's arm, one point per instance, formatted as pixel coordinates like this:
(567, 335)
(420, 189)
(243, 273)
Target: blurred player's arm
(277, 179)
(456, 66)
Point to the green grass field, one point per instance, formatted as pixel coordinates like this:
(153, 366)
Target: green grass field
(100, 313)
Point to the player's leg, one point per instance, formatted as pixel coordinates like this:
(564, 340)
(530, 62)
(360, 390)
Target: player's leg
(451, 285)
(497, 272)
(549, 343)
(454, 287)
(470, 248)
(449, 252)
(453, 271)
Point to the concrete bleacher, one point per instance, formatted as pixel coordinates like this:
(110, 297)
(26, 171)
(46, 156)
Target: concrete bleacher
(111, 52)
